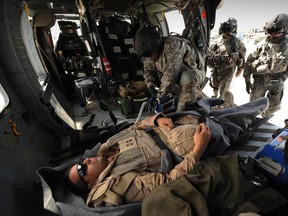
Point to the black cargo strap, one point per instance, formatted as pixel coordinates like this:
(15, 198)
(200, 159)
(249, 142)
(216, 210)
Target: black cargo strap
(176, 158)
(89, 123)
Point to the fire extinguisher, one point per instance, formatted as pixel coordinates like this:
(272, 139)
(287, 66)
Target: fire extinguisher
(107, 66)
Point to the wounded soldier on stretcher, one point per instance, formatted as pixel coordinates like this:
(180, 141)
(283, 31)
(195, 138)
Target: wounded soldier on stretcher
(169, 150)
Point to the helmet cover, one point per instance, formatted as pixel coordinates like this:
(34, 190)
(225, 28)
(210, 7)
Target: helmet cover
(147, 40)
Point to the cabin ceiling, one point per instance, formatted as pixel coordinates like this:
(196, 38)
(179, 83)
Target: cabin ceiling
(68, 6)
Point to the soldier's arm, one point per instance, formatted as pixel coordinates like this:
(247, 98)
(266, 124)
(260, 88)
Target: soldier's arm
(248, 65)
(249, 68)
(211, 56)
(242, 54)
(149, 73)
(241, 60)
(148, 122)
(173, 54)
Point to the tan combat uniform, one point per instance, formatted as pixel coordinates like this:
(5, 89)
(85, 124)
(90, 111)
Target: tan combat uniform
(131, 178)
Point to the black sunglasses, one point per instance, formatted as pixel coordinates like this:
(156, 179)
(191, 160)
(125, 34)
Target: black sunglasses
(82, 170)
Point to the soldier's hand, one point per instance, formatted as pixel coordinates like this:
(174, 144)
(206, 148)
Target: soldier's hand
(165, 123)
(248, 87)
(152, 92)
(238, 72)
(234, 56)
(201, 139)
(239, 62)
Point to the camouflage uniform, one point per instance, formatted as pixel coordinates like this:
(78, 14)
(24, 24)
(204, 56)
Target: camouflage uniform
(268, 67)
(178, 63)
(223, 60)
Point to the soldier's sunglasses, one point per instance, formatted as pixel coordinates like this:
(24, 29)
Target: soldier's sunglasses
(82, 170)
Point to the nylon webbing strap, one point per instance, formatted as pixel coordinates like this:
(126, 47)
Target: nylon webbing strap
(87, 124)
(156, 138)
(162, 145)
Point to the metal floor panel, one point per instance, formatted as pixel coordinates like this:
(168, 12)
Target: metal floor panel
(260, 137)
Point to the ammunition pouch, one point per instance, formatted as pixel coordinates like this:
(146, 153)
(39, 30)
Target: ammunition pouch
(221, 60)
(233, 57)
(264, 66)
(271, 76)
(224, 61)
(263, 69)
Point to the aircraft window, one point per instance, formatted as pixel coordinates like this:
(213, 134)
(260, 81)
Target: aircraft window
(175, 21)
(4, 99)
(55, 30)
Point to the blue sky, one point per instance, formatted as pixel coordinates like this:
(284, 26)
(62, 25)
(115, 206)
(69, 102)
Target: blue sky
(250, 13)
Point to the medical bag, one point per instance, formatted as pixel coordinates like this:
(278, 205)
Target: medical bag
(272, 159)
(165, 104)
(131, 96)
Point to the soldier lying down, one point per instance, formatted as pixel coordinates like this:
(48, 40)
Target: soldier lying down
(156, 151)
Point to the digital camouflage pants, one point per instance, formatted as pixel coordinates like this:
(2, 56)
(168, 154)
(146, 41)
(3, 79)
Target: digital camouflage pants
(190, 88)
(274, 90)
(221, 81)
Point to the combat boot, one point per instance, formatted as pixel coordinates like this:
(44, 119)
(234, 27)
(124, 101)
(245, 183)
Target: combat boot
(215, 91)
(228, 100)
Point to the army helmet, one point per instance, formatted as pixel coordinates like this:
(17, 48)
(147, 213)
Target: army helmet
(147, 41)
(68, 28)
(229, 26)
(278, 24)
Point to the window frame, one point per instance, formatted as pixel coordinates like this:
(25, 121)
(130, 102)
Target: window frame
(6, 100)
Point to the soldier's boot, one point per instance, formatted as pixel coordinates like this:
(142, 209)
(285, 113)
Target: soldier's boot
(274, 103)
(200, 94)
(215, 91)
(185, 100)
(270, 111)
(228, 100)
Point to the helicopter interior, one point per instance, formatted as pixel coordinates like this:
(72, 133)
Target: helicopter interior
(63, 95)
(86, 76)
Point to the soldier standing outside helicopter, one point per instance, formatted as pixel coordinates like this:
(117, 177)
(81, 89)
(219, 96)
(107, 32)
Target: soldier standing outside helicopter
(225, 57)
(268, 65)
